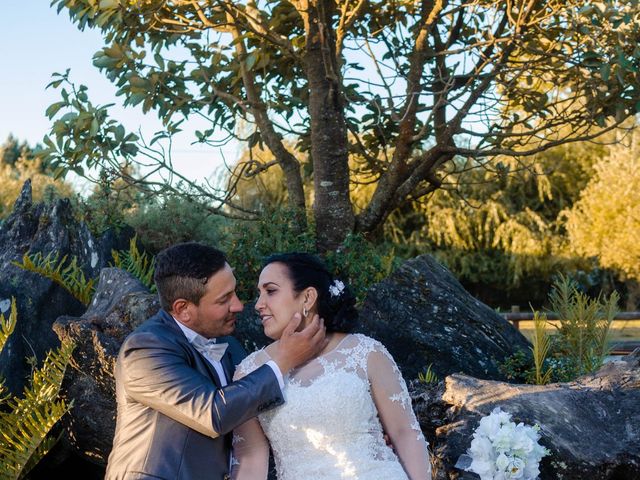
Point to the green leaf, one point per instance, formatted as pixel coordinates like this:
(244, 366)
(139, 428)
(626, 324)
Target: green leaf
(53, 109)
(119, 133)
(68, 117)
(105, 62)
(54, 84)
(94, 127)
(136, 98)
(159, 60)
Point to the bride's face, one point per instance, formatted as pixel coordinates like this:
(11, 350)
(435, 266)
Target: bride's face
(278, 302)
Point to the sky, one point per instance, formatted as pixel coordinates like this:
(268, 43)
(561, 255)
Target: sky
(35, 42)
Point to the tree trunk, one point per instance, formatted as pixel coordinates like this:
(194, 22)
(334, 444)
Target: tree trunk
(329, 151)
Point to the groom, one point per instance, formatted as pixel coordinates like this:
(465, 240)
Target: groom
(176, 402)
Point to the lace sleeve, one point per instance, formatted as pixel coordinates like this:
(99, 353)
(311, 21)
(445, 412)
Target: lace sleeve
(389, 392)
(249, 364)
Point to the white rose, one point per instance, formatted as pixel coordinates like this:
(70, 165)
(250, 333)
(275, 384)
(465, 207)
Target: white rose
(483, 467)
(522, 442)
(502, 462)
(503, 439)
(481, 447)
(515, 469)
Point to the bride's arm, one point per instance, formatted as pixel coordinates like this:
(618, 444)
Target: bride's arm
(392, 400)
(250, 445)
(250, 452)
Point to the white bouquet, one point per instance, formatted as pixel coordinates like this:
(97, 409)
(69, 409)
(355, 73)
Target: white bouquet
(502, 450)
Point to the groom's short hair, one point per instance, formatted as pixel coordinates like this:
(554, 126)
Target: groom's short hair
(182, 271)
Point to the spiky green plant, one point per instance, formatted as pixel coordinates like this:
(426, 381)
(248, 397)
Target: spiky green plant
(26, 421)
(139, 264)
(541, 343)
(429, 376)
(584, 326)
(66, 274)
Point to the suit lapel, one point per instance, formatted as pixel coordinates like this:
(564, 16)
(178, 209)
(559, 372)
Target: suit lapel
(227, 365)
(202, 364)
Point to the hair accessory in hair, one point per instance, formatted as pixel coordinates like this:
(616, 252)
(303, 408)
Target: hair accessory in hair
(335, 289)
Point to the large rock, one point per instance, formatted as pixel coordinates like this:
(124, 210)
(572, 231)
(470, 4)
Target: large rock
(46, 228)
(591, 426)
(120, 304)
(424, 316)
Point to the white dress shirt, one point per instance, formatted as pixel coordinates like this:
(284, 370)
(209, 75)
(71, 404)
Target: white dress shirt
(190, 334)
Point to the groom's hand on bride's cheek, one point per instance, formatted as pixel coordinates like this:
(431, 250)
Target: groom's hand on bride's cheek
(295, 348)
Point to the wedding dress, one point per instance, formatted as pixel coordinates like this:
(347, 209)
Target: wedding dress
(329, 426)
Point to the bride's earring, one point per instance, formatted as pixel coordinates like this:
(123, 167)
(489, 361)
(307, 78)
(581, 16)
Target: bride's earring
(305, 312)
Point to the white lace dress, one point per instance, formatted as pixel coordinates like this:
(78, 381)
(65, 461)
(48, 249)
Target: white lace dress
(330, 424)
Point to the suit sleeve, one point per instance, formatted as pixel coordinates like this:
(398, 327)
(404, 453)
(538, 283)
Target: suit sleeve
(157, 373)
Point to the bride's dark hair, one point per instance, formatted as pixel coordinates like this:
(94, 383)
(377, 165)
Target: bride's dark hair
(335, 303)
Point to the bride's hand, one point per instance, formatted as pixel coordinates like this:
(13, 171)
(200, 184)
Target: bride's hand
(295, 348)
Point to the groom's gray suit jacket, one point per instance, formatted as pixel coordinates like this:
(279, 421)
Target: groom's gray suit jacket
(174, 419)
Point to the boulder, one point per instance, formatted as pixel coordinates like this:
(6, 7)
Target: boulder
(424, 316)
(591, 425)
(120, 304)
(43, 227)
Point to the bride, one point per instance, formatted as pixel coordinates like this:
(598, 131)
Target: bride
(338, 405)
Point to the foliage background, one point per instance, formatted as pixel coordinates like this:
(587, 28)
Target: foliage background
(571, 210)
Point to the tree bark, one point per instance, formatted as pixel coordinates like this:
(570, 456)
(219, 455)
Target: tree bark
(329, 149)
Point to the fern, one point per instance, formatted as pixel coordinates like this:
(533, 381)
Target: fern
(25, 422)
(7, 325)
(68, 275)
(139, 264)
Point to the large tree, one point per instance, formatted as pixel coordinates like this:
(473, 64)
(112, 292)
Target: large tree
(390, 92)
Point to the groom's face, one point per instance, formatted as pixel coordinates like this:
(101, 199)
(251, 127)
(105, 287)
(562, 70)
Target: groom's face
(215, 314)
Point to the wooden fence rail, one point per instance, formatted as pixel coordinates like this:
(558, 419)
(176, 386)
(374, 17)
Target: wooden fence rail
(517, 317)
(619, 348)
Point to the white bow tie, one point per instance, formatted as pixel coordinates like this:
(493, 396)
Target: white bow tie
(209, 348)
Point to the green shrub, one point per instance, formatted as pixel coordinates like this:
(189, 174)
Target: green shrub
(579, 346)
(108, 206)
(161, 222)
(584, 330)
(43, 186)
(362, 263)
(358, 261)
(249, 242)
(516, 367)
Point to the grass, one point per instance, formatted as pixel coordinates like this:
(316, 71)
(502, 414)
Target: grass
(621, 330)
